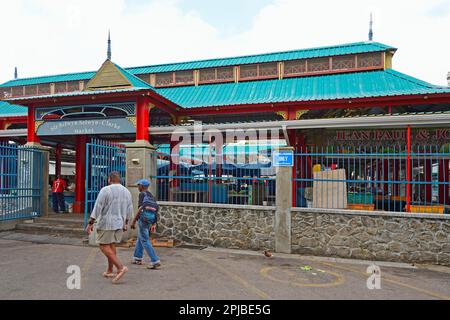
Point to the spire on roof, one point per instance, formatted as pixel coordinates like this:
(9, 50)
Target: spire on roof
(371, 28)
(16, 74)
(109, 46)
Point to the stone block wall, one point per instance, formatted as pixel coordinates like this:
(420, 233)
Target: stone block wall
(396, 237)
(226, 226)
(372, 236)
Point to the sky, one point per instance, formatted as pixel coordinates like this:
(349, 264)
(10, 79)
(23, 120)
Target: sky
(45, 37)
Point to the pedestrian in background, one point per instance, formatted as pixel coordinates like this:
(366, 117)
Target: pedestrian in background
(58, 188)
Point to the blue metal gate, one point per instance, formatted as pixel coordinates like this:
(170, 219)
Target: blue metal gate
(102, 158)
(21, 182)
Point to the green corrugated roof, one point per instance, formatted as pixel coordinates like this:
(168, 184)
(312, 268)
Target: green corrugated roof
(351, 48)
(327, 87)
(12, 110)
(135, 81)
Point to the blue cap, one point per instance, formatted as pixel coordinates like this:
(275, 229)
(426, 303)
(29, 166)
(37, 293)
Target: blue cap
(143, 182)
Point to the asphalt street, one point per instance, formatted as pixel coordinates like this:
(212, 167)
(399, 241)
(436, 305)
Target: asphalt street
(39, 271)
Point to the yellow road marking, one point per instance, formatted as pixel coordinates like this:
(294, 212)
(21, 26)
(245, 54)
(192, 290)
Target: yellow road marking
(236, 278)
(339, 279)
(387, 279)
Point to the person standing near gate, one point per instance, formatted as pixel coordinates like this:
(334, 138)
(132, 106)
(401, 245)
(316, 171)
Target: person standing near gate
(112, 211)
(58, 188)
(147, 217)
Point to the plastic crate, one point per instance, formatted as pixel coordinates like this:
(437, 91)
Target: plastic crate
(360, 198)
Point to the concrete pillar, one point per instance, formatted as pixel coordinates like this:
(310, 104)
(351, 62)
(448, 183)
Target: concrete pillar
(42, 174)
(141, 162)
(283, 208)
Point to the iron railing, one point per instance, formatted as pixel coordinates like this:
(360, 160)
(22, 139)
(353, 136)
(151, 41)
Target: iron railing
(102, 158)
(21, 182)
(229, 182)
(392, 178)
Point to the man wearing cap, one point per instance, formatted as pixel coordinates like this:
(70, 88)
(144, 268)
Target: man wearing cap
(146, 218)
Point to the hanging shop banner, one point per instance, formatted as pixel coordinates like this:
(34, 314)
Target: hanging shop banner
(383, 137)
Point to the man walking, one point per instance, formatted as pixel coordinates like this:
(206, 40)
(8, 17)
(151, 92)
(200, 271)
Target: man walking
(147, 217)
(112, 211)
(59, 203)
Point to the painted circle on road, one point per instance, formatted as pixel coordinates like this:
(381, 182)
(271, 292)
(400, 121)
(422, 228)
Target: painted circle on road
(294, 275)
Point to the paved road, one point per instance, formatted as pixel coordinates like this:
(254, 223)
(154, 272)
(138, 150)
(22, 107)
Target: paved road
(38, 271)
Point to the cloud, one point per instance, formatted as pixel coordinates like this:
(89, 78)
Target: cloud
(49, 37)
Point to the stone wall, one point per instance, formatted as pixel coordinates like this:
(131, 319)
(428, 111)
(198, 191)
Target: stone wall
(364, 235)
(372, 236)
(226, 226)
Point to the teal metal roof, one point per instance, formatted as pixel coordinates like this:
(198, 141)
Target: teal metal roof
(351, 48)
(12, 110)
(135, 81)
(325, 87)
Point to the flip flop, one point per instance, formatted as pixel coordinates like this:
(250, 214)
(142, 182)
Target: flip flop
(108, 275)
(120, 275)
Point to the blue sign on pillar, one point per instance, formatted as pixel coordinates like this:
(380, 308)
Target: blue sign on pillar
(283, 158)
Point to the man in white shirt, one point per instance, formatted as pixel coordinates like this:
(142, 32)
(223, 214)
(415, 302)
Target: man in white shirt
(112, 211)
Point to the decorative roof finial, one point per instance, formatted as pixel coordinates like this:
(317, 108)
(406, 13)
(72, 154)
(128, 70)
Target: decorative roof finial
(109, 45)
(371, 28)
(16, 74)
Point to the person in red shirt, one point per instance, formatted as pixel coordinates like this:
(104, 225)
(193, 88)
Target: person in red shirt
(58, 187)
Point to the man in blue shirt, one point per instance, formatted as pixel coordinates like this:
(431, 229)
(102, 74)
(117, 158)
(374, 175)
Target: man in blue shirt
(147, 217)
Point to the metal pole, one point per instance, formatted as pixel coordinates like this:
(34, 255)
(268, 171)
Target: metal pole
(408, 171)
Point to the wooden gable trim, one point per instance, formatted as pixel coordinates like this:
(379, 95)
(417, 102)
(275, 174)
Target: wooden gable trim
(108, 77)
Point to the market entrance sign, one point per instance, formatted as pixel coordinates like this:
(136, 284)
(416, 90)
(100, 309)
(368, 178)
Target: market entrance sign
(88, 126)
(115, 118)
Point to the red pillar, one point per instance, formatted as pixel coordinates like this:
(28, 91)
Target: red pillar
(80, 171)
(292, 136)
(32, 136)
(174, 159)
(142, 118)
(444, 182)
(58, 154)
(408, 171)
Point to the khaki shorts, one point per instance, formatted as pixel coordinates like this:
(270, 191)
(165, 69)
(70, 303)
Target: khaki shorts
(109, 236)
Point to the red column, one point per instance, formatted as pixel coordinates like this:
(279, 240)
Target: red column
(444, 182)
(142, 118)
(32, 136)
(408, 171)
(58, 154)
(80, 171)
(293, 141)
(174, 159)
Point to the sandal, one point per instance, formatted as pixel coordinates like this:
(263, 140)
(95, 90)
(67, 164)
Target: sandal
(109, 275)
(120, 275)
(138, 262)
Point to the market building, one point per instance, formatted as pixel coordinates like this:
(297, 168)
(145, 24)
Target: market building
(365, 136)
